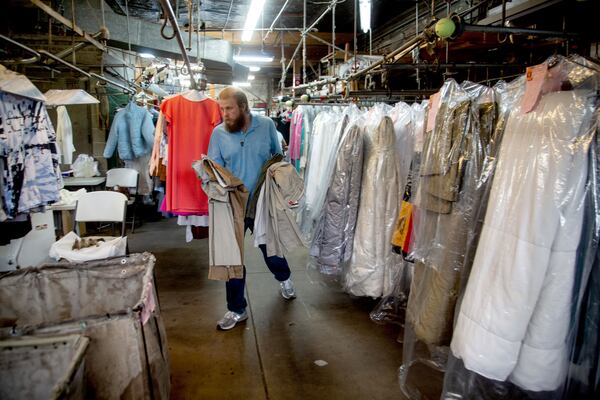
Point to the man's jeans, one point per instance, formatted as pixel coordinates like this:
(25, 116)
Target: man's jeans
(236, 301)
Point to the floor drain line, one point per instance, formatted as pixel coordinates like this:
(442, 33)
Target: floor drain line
(260, 362)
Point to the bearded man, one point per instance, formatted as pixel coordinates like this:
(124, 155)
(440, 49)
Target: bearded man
(242, 144)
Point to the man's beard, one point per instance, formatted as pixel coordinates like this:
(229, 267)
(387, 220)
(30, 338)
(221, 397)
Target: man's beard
(236, 125)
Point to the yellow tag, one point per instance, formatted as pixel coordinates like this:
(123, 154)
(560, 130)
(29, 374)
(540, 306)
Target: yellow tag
(403, 225)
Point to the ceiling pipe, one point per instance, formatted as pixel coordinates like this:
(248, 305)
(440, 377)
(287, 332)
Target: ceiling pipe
(166, 5)
(68, 64)
(516, 31)
(275, 20)
(78, 46)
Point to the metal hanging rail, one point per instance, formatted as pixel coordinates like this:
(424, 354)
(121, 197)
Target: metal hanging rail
(100, 77)
(36, 55)
(68, 64)
(166, 5)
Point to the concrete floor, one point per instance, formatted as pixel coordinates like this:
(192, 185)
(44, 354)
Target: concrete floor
(272, 355)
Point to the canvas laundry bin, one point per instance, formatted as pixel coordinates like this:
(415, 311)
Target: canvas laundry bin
(42, 368)
(112, 302)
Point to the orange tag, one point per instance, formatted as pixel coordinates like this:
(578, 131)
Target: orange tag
(533, 86)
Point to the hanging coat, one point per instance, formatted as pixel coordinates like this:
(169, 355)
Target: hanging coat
(64, 135)
(275, 223)
(514, 318)
(334, 235)
(226, 209)
(373, 264)
(131, 133)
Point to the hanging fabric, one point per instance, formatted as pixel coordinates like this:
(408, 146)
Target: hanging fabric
(64, 135)
(228, 198)
(30, 161)
(189, 127)
(373, 265)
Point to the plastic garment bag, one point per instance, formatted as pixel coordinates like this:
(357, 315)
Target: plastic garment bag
(514, 329)
(328, 128)
(374, 266)
(334, 236)
(454, 154)
(401, 115)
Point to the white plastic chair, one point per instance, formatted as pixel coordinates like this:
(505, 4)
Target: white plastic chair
(125, 178)
(101, 206)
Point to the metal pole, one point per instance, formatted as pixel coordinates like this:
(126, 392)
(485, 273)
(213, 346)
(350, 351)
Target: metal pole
(329, 7)
(198, 31)
(78, 46)
(333, 35)
(303, 43)
(524, 31)
(171, 16)
(324, 41)
(279, 15)
(68, 64)
(417, 58)
(28, 49)
(355, 12)
(283, 70)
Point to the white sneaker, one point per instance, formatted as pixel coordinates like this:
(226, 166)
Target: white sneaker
(287, 289)
(230, 319)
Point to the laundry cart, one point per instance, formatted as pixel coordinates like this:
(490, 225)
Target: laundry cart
(42, 368)
(112, 302)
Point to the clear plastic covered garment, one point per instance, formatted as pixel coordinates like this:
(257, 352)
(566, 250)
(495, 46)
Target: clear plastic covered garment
(334, 235)
(328, 128)
(402, 115)
(456, 151)
(373, 267)
(451, 164)
(516, 316)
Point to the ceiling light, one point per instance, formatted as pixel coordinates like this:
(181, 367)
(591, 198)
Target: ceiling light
(365, 15)
(241, 84)
(254, 69)
(256, 7)
(251, 77)
(253, 59)
(147, 55)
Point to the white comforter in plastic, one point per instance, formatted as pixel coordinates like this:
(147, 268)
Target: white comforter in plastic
(514, 319)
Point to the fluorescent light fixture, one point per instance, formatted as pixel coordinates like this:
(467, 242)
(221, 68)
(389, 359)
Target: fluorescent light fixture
(251, 59)
(365, 15)
(254, 69)
(256, 7)
(147, 55)
(241, 84)
(251, 77)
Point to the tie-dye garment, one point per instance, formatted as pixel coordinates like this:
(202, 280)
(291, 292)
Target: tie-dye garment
(30, 161)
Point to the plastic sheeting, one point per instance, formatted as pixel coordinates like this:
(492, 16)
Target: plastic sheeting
(56, 97)
(538, 244)
(453, 160)
(334, 237)
(328, 127)
(15, 83)
(373, 267)
(114, 303)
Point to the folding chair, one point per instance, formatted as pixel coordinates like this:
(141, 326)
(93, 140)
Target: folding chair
(125, 178)
(101, 206)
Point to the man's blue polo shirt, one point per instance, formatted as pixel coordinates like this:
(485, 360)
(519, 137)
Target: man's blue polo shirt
(245, 153)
